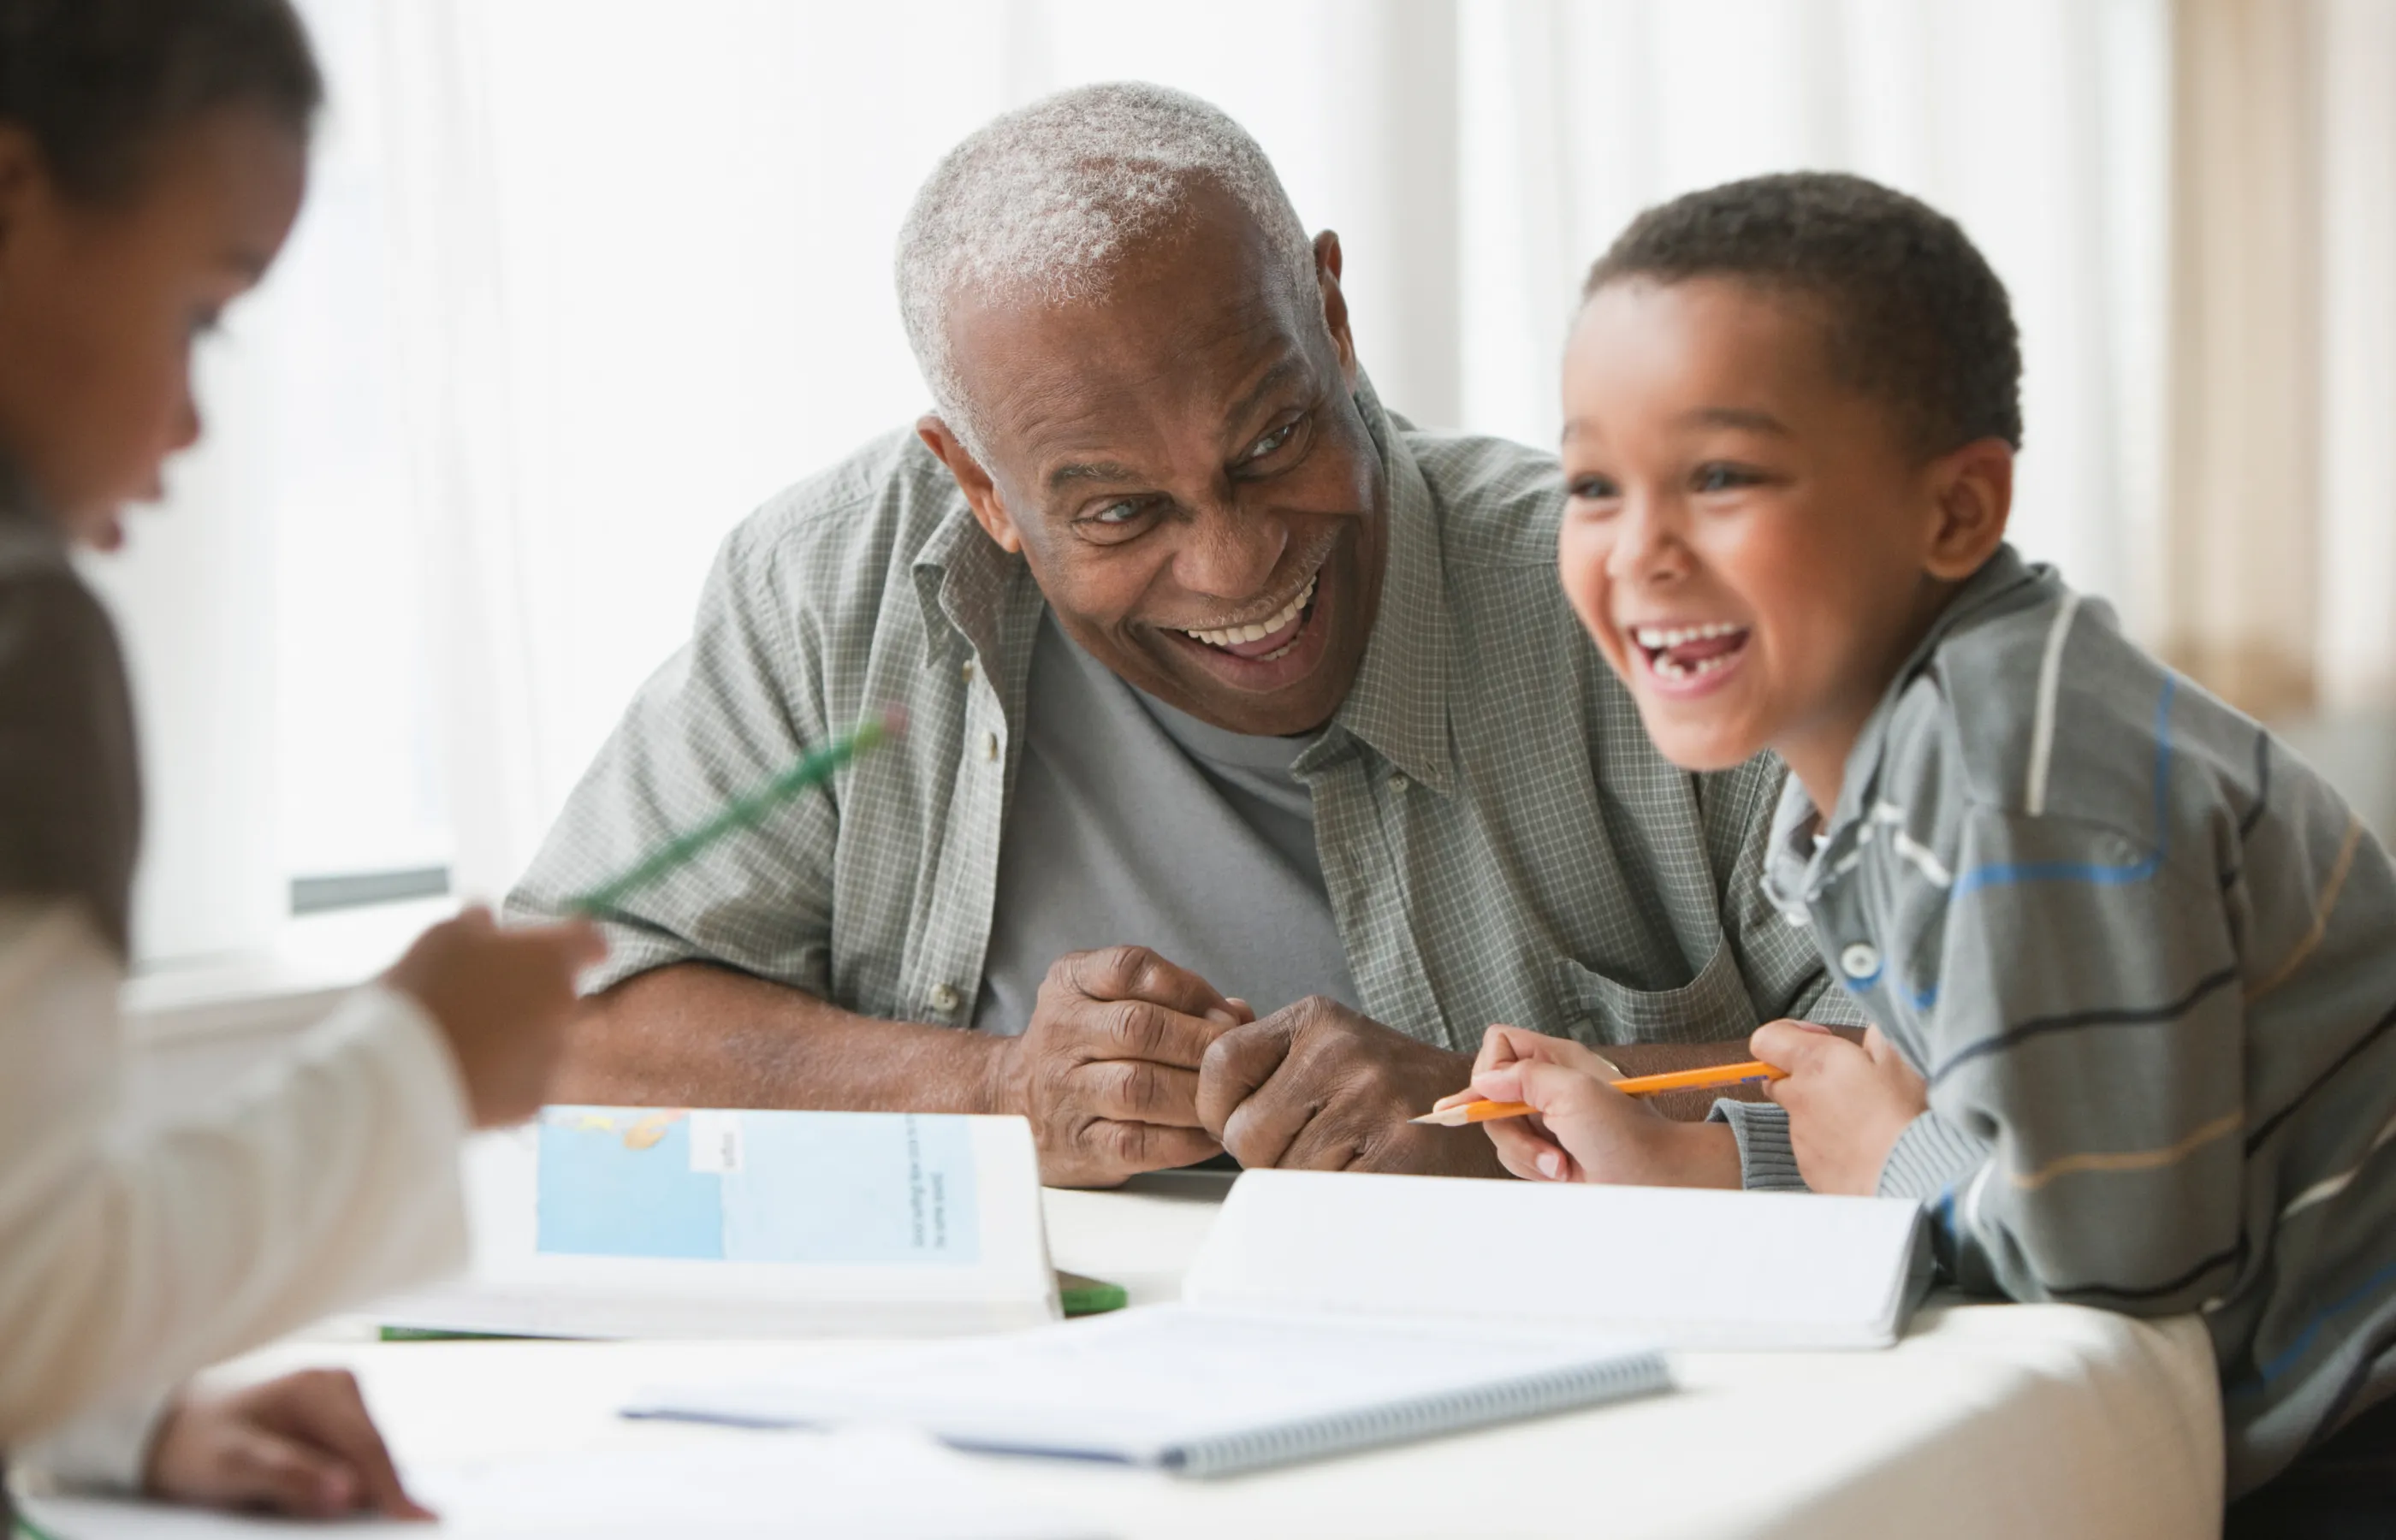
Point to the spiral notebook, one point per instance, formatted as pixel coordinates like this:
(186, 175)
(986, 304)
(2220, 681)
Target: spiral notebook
(1195, 1390)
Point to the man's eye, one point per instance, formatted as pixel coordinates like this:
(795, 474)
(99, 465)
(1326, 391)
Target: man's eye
(1273, 441)
(1722, 478)
(1121, 520)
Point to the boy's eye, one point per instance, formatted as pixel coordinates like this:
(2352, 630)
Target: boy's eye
(1722, 478)
(1593, 489)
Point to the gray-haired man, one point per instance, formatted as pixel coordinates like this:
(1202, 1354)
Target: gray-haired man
(1203, 653)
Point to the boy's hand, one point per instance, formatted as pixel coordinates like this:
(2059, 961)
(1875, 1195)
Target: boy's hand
(301, 1445)
(1584, 1130)
(1847, 1102)
(501, 998)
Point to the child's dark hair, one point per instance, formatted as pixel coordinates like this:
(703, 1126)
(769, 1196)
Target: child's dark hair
(1913, 314)
(98, 84)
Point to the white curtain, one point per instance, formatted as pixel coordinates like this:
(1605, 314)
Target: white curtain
(585, 280)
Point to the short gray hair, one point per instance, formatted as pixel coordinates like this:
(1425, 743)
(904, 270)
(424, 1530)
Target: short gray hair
(1044, 204)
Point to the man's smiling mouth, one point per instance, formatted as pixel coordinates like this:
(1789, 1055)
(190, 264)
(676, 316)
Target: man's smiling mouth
(1688, 652)
(1264, 640)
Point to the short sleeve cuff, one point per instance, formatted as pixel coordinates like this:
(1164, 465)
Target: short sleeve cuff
(1931, 1156)
(1767, 1160)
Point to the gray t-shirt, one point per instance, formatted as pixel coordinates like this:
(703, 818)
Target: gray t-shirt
(1134, 822)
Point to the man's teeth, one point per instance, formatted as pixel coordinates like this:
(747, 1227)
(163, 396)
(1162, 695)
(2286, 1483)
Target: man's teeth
(1655, 638)
(1233, 635)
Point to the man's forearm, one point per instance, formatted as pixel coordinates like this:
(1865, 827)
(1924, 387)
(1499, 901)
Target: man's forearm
(695, 1035)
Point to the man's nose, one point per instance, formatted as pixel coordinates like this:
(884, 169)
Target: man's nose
(1230, 555)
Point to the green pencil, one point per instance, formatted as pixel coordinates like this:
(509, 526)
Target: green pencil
(745, 812)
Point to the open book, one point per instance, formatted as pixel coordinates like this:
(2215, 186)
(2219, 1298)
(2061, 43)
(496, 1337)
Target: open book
(611, 1221)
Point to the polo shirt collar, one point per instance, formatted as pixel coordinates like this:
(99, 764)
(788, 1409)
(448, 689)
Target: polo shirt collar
(1809, 848)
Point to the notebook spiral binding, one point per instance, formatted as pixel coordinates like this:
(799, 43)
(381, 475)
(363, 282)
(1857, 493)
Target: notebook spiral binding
(1508, 1401)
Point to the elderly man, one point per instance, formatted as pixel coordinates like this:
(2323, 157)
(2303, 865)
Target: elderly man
(1255, 761)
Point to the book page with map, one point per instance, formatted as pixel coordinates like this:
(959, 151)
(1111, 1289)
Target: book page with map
(752, 1187)
(613, 1221)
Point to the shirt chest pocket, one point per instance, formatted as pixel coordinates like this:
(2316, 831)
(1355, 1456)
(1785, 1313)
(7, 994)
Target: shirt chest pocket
(1713, 1007)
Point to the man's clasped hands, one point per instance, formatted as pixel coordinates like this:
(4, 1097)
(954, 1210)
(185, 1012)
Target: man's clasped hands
(1132, 1063)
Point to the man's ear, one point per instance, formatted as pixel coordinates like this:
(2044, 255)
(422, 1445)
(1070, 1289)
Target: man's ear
(980, 490)
(1334, 302)
(1973, 491)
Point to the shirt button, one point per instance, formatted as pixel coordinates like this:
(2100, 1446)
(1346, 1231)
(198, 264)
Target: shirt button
(1398, 781)
(989, 746)
(969, 670)
(944, 998)
(1859, 961)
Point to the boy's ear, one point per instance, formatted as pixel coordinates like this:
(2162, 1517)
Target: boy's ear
(980, 490)
(1974, 490)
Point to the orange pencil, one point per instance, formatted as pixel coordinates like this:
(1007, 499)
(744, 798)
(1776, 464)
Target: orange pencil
(1641, 1085)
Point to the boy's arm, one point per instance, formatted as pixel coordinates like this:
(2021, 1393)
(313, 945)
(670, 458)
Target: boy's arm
(129, 1259)
(2086, 1072)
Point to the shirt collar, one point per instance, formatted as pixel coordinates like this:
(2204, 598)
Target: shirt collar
(963, 579)
(1398, 703)
(1797, 862)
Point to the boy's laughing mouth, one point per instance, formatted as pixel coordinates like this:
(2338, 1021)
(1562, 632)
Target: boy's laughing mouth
(1688, 658)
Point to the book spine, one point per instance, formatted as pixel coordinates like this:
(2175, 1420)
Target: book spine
(1397, 1422)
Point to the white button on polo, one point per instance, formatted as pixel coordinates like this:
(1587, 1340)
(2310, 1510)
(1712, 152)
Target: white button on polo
(1398, 781)
(1859, 961)
(989, 746)
(969, 670)
(944, 998)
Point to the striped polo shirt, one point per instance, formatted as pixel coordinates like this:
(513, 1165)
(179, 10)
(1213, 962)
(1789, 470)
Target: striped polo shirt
(2145, 959)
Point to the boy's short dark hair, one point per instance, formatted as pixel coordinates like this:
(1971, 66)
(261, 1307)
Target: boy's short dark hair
(98, 83)
(1914, 313)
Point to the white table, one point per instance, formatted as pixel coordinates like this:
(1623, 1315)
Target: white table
(1988, 1420)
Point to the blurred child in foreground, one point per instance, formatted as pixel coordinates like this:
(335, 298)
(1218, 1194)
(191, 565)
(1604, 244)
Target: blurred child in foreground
(152, 156)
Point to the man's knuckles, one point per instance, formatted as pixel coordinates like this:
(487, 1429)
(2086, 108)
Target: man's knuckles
(1246, 1056)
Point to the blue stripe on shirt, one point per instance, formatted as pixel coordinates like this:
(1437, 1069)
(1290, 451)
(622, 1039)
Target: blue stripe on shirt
(2290, 1356)
(2003, 873)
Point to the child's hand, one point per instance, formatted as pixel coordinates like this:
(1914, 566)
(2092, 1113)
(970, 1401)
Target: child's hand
(1847, 1102)
(300, 1446)
(1583, 1131)
(501, 998)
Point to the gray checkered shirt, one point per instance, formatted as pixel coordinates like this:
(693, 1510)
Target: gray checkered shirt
(1499, 840)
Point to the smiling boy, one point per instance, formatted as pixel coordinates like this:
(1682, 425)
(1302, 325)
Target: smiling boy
(2129, 955)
